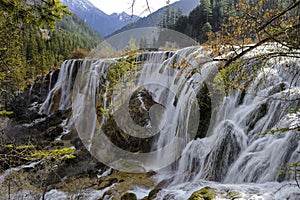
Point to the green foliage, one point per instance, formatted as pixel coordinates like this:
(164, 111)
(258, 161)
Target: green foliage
(131, 47)
(116, 71)
(270, 17)
(206, 28)
(170, 16)
(28, 50)
(41, 13)
(232, 77)
(207, 16)
(120, 75)
(80, 32)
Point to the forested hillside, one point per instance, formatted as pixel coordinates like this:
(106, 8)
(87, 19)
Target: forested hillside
(211, 15)
(29, 48)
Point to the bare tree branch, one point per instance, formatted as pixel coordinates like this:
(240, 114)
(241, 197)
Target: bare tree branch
(231, 60)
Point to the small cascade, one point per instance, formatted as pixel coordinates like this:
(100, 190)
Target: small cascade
(50, 80)
(59, 98)
(30, 89)
(43, 84)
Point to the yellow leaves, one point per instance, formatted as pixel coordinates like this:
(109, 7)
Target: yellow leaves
(266, 15)
(256, 21)
(104, 111)
(56, 153)
(22, 147)
(5, 112)
(9, 146)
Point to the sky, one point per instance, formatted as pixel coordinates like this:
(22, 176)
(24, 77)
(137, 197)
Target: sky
(118, 6)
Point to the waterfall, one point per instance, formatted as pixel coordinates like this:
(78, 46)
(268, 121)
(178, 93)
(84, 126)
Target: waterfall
(236, 151)
(174, 92)
(233, 151)
(59, 98)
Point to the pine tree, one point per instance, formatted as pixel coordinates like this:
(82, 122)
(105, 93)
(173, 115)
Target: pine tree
(206, 9)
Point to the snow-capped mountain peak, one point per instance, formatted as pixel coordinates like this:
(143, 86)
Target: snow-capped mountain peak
(101, 22)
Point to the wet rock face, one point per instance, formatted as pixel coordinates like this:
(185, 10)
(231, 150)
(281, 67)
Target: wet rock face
(205, 107)
(41, 87)
(224, 152)
(44, 128)
(122, 183)
(140, 104)
(129, 196)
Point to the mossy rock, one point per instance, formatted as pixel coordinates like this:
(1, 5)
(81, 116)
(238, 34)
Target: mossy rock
(107, 183)
(205, 107)
(129, 196)
(152, 194)
(233, 195)
(205, 193)
(124, 182)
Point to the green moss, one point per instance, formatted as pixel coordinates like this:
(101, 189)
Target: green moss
(22, 147)
(203, 194)
(64, 153)
(153, 194)
(233, 195)
(9, 146)
(129, 196)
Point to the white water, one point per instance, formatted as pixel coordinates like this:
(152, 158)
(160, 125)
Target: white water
(168, 78)
(15, 169)
(50, 80)
(234, 153)
(61, 90)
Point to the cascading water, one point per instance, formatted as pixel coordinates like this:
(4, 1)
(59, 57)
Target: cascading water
(59, 97)
(237, 151)
(234, 152)
(174, 93)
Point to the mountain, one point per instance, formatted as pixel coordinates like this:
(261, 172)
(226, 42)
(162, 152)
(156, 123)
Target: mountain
(76, 26)
(101, 22)
(185, 7)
